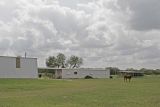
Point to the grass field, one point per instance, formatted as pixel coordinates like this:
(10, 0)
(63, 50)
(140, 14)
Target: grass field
(140, 92)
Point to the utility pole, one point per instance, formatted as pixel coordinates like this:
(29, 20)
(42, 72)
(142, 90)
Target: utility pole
(25, 54)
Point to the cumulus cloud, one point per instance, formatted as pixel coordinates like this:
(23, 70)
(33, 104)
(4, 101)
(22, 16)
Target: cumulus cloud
(122, 33)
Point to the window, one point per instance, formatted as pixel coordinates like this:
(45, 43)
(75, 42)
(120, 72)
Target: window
(18, 62)
(75, 73)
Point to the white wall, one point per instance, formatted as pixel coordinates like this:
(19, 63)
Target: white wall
(82, 72)
(28, 68)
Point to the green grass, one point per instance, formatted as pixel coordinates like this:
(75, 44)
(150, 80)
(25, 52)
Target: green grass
(140, 92)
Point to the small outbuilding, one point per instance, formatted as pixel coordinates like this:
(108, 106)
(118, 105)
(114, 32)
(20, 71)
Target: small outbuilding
(18, 67)
(64, 73)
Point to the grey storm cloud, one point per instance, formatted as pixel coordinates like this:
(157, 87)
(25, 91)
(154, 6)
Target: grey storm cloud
(122, 33)
(145, 14)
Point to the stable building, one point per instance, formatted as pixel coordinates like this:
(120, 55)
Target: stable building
(18, 67)
(132, 73)
(67, 73)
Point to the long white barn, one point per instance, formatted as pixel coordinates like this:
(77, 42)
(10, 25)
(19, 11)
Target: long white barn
(18, 67)
(82, 72)
(66, 73)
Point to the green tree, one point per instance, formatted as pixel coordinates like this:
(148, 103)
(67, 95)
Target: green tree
(51, 61)
(58, 61)
(61, 60)
(157, 72)
(75, 61)
(148, 71)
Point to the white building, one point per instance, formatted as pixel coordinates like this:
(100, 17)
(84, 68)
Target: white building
(82, 72)
(65, 73)
(18, 67)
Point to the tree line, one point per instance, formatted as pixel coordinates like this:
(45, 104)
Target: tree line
(116, 70)
(61, 61)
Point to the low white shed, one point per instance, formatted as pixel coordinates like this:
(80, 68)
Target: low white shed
(82, 72)
(65, 73)
(18, 67)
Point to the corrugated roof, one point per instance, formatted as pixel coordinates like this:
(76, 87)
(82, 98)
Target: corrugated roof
(73, 68)
(131, 71)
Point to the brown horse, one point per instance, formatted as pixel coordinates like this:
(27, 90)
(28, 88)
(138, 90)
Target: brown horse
(127, 77)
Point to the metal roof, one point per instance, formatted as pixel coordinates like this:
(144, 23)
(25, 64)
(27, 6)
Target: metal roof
(72, 68)
(131, 71)
(18, 56)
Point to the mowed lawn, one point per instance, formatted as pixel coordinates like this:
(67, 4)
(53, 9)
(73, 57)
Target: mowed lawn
(140, 92)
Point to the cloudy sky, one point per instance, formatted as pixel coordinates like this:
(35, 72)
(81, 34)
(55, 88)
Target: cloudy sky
(121, 33)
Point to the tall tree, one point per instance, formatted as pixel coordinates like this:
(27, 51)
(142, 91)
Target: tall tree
(51, 61)
(61, 60)
(75, 61)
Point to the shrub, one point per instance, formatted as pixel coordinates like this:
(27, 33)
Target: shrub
(39, 75)
(111, 77)
(88, 77)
